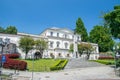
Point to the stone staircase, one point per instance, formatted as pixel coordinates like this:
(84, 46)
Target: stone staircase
(81, 63)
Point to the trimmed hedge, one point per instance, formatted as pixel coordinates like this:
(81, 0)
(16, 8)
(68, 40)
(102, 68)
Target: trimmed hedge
(106, 57)
(106, 62)
(13, 56)
(59, 65)
(14, 64)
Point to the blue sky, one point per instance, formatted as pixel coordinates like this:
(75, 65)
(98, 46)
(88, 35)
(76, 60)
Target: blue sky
(33, 16)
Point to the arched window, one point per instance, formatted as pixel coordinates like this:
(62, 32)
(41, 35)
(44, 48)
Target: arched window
(66, 45)
(58, 44)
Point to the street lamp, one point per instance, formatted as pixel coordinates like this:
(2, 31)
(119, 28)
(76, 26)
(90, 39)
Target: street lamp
(3, 43)
(116, 52)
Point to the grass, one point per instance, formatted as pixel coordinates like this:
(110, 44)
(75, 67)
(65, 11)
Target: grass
(41, 64)
(105, 61)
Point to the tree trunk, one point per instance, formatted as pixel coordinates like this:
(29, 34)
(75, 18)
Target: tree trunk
(25, 55)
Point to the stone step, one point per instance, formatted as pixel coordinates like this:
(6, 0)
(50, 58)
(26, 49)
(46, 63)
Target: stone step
(81, 63)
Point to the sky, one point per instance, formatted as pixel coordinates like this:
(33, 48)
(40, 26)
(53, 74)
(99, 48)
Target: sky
(34, 16)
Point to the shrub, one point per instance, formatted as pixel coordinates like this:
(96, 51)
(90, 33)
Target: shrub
(11, 63)
(106, 57)
(59, 65)
(118, 63)
(15, 64)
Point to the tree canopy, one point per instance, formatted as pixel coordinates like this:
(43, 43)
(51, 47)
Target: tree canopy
(80, 29)
(11, 30)
(2, 30)
(26, 43)
(86, 48)
(112, 19)
(102, 37)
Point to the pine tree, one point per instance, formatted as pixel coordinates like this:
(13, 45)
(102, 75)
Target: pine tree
(80, 29)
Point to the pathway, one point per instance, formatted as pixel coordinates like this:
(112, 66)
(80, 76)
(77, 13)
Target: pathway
(76, 69)
(81, 63)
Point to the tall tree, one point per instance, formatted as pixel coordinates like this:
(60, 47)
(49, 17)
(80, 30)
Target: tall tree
(80, 29)
(2, 30)
(101, 35)
(41, 45)
(11, 30)
(26, 43)
(112, 19)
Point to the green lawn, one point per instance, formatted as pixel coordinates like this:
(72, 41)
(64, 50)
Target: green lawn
(41, 64)
(105, 61)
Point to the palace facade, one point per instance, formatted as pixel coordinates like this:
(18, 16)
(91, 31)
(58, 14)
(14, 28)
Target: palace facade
(59, 41)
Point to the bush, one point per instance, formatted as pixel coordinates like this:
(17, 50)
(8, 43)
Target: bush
(14, 64)
(118, 63)
(13, 56)
(106, 57)
(59, 65)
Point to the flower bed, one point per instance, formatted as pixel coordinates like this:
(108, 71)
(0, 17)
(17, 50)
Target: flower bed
(11, 63)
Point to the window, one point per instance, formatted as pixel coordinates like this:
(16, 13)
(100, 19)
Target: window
(78, 38)
(57, 34)
(65, 36)
(51, 44)
(51, 33)
(66, 45)
(58, 44)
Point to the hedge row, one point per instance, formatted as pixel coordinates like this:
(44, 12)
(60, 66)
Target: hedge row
(13, 56)
(15, 64)
(106, 62)
(59, 65)
(106, 57)
(11, 63)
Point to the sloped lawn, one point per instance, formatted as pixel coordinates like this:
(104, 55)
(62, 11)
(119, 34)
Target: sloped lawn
(41, 64)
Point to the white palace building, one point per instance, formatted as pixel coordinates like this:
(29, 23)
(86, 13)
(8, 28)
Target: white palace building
(59, 40)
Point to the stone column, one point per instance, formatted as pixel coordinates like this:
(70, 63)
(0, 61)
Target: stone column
(75, 54)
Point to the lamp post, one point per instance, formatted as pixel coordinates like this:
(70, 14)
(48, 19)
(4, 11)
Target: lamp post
(115, 48)
(3, 43)
(32, 56)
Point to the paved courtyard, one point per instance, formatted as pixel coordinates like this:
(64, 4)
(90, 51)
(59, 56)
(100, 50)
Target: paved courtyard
(76, 69)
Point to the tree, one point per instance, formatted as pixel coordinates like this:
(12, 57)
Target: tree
(101, 35)
(80, 48)
(80, 29)
(71, 48)
(41, 45)
(112, 19)
(85, 48)
(11, 30)
(2, 30)
(26, 43)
